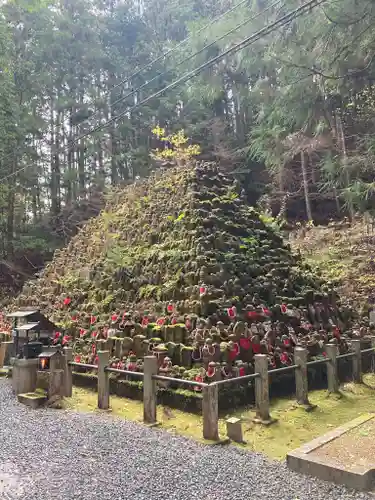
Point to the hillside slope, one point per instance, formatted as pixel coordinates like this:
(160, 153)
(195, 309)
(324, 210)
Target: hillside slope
(183, 239)
(343, 254)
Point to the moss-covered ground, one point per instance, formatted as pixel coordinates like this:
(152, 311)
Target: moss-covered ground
(342, 255)
(294, 425)
(162, 241)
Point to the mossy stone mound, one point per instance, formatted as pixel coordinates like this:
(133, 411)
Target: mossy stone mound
(184, 237)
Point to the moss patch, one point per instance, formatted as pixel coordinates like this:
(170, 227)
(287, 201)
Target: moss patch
(140, 254)
(294, 427)
(344, 256)
(33, 395)
(174, 420)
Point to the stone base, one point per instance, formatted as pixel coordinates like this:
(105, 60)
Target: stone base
(32, 399)
(100, 410)
(234, 430)
(345, 456)
(5, 348)
(219, 442)
(24, 375)
(51, 382)
(268, 422)
(307, 406)
(155, 424)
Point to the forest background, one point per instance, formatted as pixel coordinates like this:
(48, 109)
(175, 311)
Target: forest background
(291, 115)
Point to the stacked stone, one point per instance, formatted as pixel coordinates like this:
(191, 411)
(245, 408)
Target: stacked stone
(185, 237)
(222, 345)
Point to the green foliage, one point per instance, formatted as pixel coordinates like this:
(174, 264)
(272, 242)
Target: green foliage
(134, 273)
(174, 148)
(274, 223)
(150, 291)
(303, 89)
(180, 217)
(118, 257)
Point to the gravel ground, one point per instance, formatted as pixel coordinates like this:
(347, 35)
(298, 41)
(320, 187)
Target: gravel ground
(50, 454)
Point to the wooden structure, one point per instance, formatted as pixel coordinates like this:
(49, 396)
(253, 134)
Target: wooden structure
(50, 360)
(30, 324)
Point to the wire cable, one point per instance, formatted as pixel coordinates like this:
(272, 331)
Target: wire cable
(188, 76)
(168, 52)
(152, 63)
(239, 26)
(134, 91)
(309, 5)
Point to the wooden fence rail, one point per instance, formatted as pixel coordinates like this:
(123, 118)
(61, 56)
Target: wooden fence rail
(210, 392)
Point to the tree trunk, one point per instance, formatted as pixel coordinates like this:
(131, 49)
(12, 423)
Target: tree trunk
(81, 168)
(70, 180)
(55, 174)
(112, 113)
(345, 161)
(280, 177)
(100, 155)
(337, 200)
(81, 152)
(10, 217)
(113, 136)
(306, 186)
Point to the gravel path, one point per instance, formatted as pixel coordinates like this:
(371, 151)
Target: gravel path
(58, 455)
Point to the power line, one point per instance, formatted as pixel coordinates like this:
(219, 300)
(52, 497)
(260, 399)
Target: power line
(152, 63)
(165, 54)
(146, 84)
(235, 48)
(237, 27)
(188, 76)
(173, 49)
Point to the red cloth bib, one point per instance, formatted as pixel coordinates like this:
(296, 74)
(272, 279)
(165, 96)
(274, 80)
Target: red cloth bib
(256, 348)
(245, 343)
(234, 353)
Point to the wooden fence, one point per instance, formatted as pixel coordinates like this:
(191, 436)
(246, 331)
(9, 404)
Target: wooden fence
(210, 392)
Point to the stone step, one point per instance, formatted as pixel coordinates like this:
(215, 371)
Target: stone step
(32, 399)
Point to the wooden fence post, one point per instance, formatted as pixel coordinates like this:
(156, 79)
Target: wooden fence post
(357, 361)
(373, 354)
(210, 411)
(68, 376)
(302, 390)
(103, 380)
(150, 368)
(262, 398)
(332, 374)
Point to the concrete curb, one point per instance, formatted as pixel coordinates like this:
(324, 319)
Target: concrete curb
(302, 460)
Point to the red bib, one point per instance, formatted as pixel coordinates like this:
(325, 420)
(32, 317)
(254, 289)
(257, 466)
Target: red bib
(245, 343)
(256, 348)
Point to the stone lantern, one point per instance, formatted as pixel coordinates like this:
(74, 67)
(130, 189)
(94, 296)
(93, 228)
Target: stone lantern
(50, 374)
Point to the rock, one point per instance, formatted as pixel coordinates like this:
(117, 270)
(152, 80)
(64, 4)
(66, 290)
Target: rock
(201, 232)
(55, 402)
(239, 329)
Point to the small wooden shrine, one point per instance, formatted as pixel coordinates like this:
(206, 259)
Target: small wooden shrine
(30, 325)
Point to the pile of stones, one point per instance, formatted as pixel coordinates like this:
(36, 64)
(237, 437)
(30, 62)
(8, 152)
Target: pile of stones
(204, 280)
(164, 240)
(220, 346)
